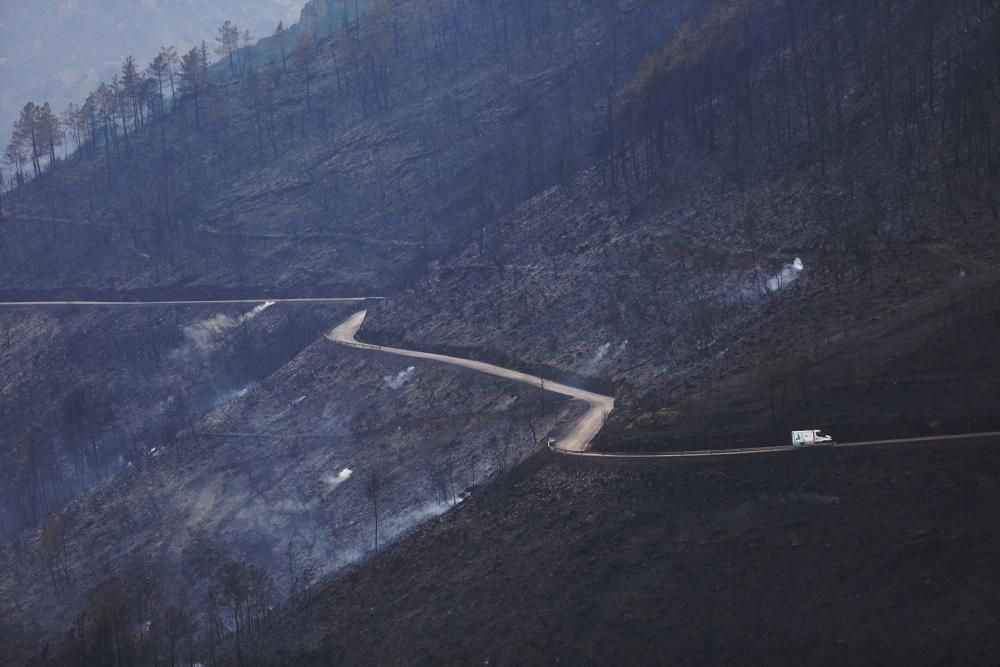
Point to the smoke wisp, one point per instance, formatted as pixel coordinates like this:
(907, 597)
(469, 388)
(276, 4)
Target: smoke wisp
(224, 397)
(204, 336)
(333, 481)
(400, 379)
(789, 274)
(602, 354)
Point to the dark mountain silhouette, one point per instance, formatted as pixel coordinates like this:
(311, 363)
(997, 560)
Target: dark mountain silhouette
(738, 217)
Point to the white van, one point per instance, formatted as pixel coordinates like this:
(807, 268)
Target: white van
(811, 437)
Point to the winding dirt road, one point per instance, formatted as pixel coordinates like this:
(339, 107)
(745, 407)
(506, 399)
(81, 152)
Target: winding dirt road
(579, 437)
(577, 441)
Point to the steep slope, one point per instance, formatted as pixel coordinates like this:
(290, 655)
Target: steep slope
(86, 390)
(734, 284)
(299, 179)
(843, 557)
(348, 167)
(274, 488)
(54, 50)
(784, 224)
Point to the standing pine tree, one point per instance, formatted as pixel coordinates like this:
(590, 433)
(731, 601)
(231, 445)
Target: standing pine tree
(50, 131)
(26, 134)
(279, 34)
(170, 60)
(227, 43)
(131, 87)
(303, 56)
(192, 76)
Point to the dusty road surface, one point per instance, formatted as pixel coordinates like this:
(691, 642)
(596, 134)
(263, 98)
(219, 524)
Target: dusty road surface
(579, 437)
(578, 440)
(749, 451)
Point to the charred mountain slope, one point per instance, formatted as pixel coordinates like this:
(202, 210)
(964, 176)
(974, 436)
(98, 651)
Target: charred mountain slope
(340, 169)
(85, 391)
(796, 221)
(365, 153)
(844, 557)
(758, 135)
(262, 498)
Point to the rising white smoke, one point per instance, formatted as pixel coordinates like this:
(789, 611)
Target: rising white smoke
(333, 481)
(204, 335)
(599, 357)
(399, 379)
(789, 274)
(397, 525)
(224, 397)
(505, 403)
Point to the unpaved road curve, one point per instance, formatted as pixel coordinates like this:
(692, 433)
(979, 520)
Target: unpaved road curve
(577, 441)
(579, 437)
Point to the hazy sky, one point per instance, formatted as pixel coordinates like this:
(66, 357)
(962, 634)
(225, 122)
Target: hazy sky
(58, 50)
